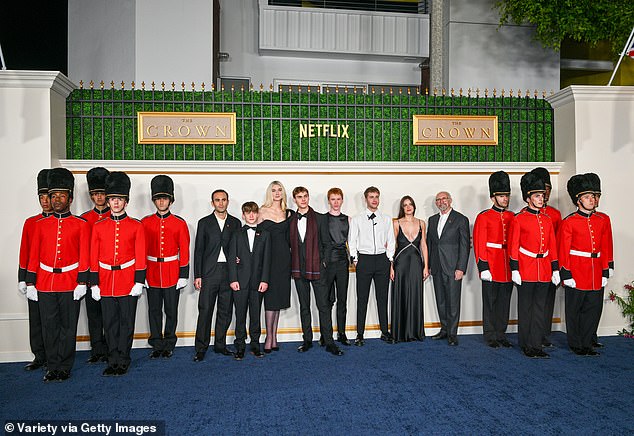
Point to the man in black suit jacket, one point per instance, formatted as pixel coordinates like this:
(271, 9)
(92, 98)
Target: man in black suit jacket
(249, 266)
(211, 275)
(448, 244)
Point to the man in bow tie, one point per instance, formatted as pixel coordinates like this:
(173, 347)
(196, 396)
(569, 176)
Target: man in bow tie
(371, 241)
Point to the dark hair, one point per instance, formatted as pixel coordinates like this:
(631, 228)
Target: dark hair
(218, 191)
(371, 189)
(250, 206)
(299, 190)
(401, 208)
(334, 191)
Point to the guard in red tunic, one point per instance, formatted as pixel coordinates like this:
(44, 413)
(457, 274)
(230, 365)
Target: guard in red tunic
(57, 271)
(117, 272)
(96, 178)
(609, 251)
(167, 241)
(533, 259)
(583, 242)
(490, 239)
(35, 323)
(555, 216)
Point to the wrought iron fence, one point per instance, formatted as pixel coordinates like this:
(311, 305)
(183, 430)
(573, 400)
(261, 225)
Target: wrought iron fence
(102, 123)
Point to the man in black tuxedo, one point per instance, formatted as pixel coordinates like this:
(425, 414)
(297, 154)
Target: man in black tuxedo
(211, 276)
(249, 263)
(448, 244)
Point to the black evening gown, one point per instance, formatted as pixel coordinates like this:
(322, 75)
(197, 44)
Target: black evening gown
(407, 290)
(278, 295)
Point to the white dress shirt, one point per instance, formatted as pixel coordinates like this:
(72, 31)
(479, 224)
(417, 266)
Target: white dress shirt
(301, 227)
(371, 236)
(221, 223)
(442, 220)
(251, 236)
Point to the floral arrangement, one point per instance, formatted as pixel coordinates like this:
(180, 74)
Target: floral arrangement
(627, 308)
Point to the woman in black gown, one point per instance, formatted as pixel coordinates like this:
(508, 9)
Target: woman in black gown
(274, 218)
(409, 271)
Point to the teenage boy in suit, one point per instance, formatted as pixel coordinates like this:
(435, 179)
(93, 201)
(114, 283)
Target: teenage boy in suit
(249, 264)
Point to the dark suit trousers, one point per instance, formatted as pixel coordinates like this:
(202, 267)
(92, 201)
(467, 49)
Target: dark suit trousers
(447, 291)
(372, 267)
(531, 304)
(248, 300)
(119, 314)
(549, 309)
(157, 299)
(36, 339)
(583, 313)
(496, 302)
(59, 312)
(323, 306)
(337, 274)
(95, 326)
(214, 287)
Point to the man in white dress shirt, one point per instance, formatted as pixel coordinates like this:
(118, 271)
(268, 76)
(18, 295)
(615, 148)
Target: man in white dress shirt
(371, 242)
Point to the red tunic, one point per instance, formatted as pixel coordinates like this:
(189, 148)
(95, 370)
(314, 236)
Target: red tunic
(59, 254)
(93, 215)
(25, 244)
(554, 215)
(533, 247)
(490, 239)
(167, 242)
(609, 250)
(117, 255)
(583, 243)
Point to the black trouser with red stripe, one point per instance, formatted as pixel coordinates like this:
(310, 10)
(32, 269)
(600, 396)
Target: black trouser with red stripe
(548, 311)
(496, 302)
(159, 299)
(531, 304)
(119, 314)
(583, 312)
(58, 311)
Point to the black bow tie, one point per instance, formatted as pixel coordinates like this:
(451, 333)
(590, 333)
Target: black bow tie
(300, 216)
(371, 217)
(251, 228)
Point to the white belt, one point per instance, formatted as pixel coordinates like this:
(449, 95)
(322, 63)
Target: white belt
(495, 245)
(531, 254)
(163, 259)
(585, 253)
(117, 267)
(59, 270)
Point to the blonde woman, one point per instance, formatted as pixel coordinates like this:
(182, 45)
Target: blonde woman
(274, 218)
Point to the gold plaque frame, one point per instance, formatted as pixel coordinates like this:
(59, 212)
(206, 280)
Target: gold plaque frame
(455, 129)
(196, 125)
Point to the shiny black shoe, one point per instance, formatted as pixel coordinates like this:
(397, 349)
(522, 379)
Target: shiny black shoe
(122, 370)
(505, 343)
(541, 354)
(96, 358)
(578, 351)
(322, 342)
(257, 353)
(199, 356)
(63, 375)
(387, 338)
(439, 335)
(529, 352)
(334, 350)
(275, 348)
(305, 347)
(32, 366)
(51, 376)
(592, 353)
(167, 354)
(359, 341)
(267, 350)
(109, 371)
(547, 344)
(239, 355)
(224, 352)
(452, 340)
(493, 343)
(597, 344)
(156, 354)
(343, 340)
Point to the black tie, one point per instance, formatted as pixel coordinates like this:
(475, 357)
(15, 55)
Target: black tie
(300, 216)
(251, 228)
(371, 217)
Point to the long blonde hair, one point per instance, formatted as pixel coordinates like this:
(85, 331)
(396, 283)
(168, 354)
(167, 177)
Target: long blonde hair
(268, 200)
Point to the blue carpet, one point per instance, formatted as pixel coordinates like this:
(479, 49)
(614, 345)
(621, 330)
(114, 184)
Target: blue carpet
(406, 388)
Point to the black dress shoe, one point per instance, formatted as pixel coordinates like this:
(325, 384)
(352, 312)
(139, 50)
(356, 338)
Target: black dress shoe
(224, 352)
(493, 343)
(591, 352)
(505, 343)
(199, 356)
(541, 354)
(63, 375)
(343, 340)
(578, 351)
(121, 370)
(305, 347)
(275, 348)
(167, 353)
(439, 335)
(452, 340)
(359, 341)
(51, 376)
(239, 355)
(109, 371)
(597, 345)
(388, 338)
(96, 358)
(334, 350)
(257, 353)
(267, 350)
(156, 354)
(32, 366)
(528, 352)
(322, 342)
(547, 344)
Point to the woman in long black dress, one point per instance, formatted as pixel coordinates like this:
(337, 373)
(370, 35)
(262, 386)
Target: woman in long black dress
(274, 218)
(409, 271)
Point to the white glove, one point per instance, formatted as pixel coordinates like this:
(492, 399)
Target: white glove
(610, 273)
(79, 292)
(604, 282)
(96, 292)
(516, 277)
(146, 285)
(181, 283)
(555, 278)
(22, 287)
(570, 283)
(137, 289)
(486, 276)
(31, 293)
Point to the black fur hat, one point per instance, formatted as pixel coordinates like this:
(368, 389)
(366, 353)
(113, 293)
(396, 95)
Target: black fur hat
(530, 184)
(544, 175)
(499, 183)
(96, 178)
(162, 186)
(595, 181)
(61, 179)
(42, 182)
(118, 185)
(578, 185)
